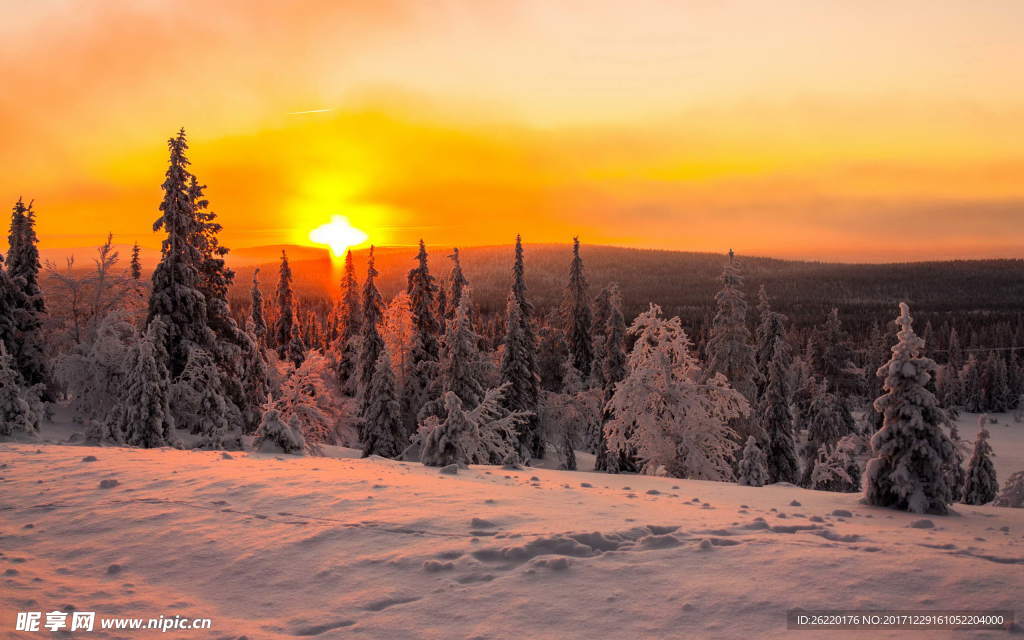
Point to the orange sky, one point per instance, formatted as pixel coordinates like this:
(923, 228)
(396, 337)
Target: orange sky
(826, 130)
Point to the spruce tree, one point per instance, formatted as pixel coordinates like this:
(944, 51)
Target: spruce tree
(383, 430)
(286, 337)
(770, 329)
(135, 267)
(29, 309)
(753, 467)
(276, 430)
(457, 283)
(1000, 397)
(1012, 493)
(981, 486)
(21, 410)
(350, 319)
(420, 388)
(463, 368)
(825, 425)
(729, 348)
(955, 352)
(258, 322)
(973, 386)
(23, 254)
(578, 332)
(175, 298)
(602, 309)
(200, 403)
(143, 417)
(910, 452)
(371, 344)
(519, 364)
(776, 422)
(11, 299)
(613, 366)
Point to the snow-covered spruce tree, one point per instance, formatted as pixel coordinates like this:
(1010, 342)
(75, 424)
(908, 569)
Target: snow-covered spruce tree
(257, 319)
(776, 422)
(286, 338)
(457, 283)
(350, 316)
(275, 431)
(753, 467)
(552, 352)
(729, 345)
(463, 367)
(21, 410)
(143, 416)
(613, 369)
(981, 486)
(477, 436)
(420, 387)
(29, 308)
(95, 373)
(1012, 494)
(1000, 398)
(175, 298)
(825, 425)
(949, 388)
(200, 405)
(383, 432)
(729, 349)
(371, 344)
(10, 298)
(602, 309)
(770, 330)
(839, 468)
(578, 332)
(911, 452)
(519, 363)
(666, 407)
(831, 355)
(956, 474)
(255, 382)
(974, 389)
(135, 265)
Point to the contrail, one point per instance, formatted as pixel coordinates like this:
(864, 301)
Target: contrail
(299, 113)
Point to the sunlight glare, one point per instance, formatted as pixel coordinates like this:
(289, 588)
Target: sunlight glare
(338, 234)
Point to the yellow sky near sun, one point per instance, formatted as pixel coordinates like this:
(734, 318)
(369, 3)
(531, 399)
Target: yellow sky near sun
(857, 131)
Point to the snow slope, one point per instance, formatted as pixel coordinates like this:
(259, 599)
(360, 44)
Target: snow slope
(281, 547)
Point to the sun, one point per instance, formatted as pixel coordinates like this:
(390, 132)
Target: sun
(338, 234)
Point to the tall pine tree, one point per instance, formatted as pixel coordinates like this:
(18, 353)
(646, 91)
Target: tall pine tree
(729, 346)
(382, 416)
(371, 344)
(257, 320)
(175, 298)
(457, 283)
(578, 331)
(981, 486)
(420, 387)
(350, 319)
(519, 363)
(286, 337)
(29, 309)
(911, 452)
(776, 421)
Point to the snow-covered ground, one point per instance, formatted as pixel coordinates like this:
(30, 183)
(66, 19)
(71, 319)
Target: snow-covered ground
(274, 546)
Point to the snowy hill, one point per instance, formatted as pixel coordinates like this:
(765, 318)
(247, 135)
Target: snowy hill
(280, 547)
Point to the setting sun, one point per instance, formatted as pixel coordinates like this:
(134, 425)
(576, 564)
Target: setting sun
(338, 234)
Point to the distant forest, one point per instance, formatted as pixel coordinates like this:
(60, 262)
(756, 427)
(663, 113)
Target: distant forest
(982, 299)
